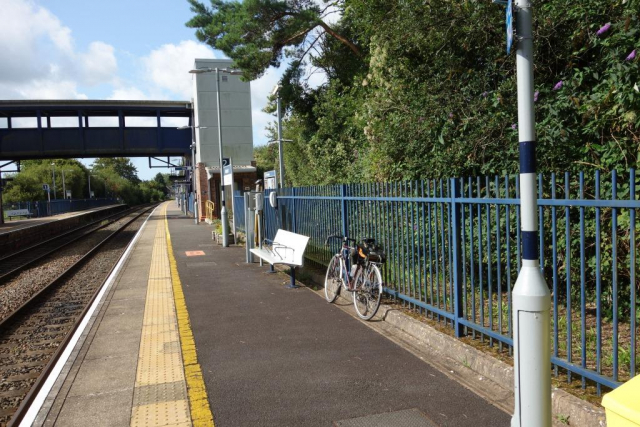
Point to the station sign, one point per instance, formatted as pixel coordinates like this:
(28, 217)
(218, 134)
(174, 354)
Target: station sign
(227, 172)
(270, 182)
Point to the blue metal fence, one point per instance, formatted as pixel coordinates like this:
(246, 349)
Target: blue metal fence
(43, 208)
(453, 251)
(238, 210)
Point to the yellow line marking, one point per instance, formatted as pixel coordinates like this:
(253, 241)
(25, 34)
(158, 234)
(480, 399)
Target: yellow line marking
(201, 414)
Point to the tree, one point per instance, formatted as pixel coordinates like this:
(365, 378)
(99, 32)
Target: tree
(27, 185)
(258, 34)
(121, 166)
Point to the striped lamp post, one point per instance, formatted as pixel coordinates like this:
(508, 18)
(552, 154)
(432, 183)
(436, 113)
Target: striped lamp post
(531, 297)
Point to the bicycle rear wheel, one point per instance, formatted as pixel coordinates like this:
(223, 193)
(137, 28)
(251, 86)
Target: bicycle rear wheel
(366, 298)
(332, 280)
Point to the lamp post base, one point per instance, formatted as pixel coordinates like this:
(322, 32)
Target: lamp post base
(224, 218)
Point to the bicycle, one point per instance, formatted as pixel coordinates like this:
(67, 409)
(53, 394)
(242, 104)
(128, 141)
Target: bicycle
(356, 269)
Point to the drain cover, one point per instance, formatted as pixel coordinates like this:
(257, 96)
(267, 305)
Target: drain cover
(405, 418)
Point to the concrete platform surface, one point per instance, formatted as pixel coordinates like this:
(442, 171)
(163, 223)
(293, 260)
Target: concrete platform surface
(273, 356)
(266, 355)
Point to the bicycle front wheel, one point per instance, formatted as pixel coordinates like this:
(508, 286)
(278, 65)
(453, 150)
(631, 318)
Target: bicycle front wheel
(332, 280)
(366, 298)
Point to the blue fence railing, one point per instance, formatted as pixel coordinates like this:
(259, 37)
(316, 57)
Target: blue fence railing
(44, 208)
(238, 210)
(453, 252)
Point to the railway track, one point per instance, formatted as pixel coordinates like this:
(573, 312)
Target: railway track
(33, 336)
(19, 260)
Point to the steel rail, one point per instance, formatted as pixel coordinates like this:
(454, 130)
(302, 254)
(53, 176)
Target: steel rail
(35, 388)
(111, 218)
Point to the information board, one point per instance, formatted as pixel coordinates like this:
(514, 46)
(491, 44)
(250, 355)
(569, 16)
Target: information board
(270, 182)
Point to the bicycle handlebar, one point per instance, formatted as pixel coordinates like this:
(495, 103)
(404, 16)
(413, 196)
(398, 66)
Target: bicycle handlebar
(345, 239)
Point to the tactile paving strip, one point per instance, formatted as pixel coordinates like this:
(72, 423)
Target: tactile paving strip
(160, 394)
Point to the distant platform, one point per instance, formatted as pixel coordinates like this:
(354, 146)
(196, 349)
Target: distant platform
(13, 225)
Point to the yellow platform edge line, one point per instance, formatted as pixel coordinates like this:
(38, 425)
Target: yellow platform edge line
(201, 414)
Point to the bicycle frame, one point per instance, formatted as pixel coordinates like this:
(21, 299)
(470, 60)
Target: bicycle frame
(348, 281)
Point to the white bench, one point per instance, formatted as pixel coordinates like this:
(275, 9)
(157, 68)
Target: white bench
(286, 248)
(17, 212)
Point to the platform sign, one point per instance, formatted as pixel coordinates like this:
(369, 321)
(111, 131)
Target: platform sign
(270, 182)
(227, 172)
(509, 25)
(45, 187)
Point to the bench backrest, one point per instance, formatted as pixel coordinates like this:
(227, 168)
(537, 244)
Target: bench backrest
(17, 212)
(297, 242)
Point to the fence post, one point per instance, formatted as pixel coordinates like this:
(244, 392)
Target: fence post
(456, 209)
(343, 207)
(293, 210)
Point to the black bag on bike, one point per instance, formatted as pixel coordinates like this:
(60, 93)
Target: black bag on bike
(373, 251)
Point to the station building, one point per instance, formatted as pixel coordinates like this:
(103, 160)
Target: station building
(236, 129)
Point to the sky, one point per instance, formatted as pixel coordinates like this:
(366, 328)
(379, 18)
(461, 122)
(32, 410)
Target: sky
(108, 49)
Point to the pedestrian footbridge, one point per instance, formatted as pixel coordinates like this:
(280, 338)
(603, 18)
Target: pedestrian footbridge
(93, 128)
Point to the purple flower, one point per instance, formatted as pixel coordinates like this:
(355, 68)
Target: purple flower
(535, 96)
(604, 29)
(421, 119)
(558, 85)
(451, 115)
(631, 56)
(514, 126)
(485, 94)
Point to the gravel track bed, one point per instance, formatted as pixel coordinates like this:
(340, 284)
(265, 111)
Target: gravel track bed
(22, 286)
(28, 344)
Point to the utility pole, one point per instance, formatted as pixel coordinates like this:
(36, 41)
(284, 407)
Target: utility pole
(89, 184)
(276, 91)
(64, 187)
(224, 217)
(531, 297)
(54, 181)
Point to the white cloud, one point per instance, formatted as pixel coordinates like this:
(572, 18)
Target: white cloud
(98, 63)
(41, 89)
(39, 59)
(128, 93)
(260, 90)
(169, 65)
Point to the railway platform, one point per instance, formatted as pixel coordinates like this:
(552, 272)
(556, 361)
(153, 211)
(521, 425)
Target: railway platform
(186, 333)
(18, 224)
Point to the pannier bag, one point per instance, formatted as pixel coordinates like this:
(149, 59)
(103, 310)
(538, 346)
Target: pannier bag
(375, 253)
